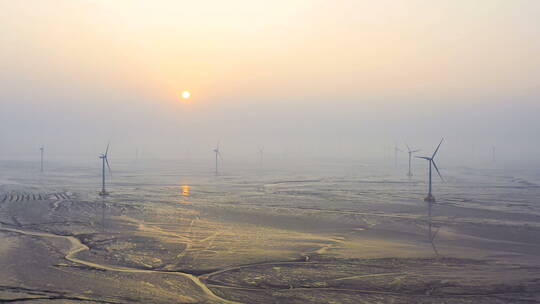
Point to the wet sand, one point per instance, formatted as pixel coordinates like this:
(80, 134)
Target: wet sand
(214, 246)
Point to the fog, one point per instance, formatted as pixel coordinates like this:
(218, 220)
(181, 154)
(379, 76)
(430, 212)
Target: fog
(257, 151)
(304, 79)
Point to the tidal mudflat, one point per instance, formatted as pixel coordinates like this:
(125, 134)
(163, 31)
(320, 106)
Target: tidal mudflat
(346, 235)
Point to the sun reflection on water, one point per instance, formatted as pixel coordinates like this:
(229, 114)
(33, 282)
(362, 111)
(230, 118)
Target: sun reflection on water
(185, 190)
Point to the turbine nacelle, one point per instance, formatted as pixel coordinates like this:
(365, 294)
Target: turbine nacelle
(216, 149)
(430, 159)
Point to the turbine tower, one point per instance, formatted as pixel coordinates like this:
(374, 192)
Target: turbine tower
(396, 150)
(42, 149)
(430, 198)
(261, 154)
(105, 161)
(410, 158)
(218, 155)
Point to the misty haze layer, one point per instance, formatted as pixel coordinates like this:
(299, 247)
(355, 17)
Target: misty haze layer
(301, 78)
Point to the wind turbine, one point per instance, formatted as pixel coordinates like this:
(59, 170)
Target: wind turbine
(261, 154)
(105, 161)
(396, 150)
(42, 149)
(218, 154)
(430, 198)
(410, 158)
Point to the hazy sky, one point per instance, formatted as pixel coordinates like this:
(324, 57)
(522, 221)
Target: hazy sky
(325, 78)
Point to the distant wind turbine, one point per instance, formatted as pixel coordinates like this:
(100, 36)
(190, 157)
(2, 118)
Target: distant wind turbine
(430, 198)
(105, 160)
(396, 150)
(218, 155)
(261, 154)
(42, 150)
(410, 158)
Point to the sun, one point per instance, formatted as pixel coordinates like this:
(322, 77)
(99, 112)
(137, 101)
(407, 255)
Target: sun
(186, 95)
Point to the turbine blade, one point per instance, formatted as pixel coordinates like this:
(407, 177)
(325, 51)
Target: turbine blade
(436, 150)
(414, 151)
(437, 169)
(423, 157)
(108, 166)
(408, 148)
(107, 150)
